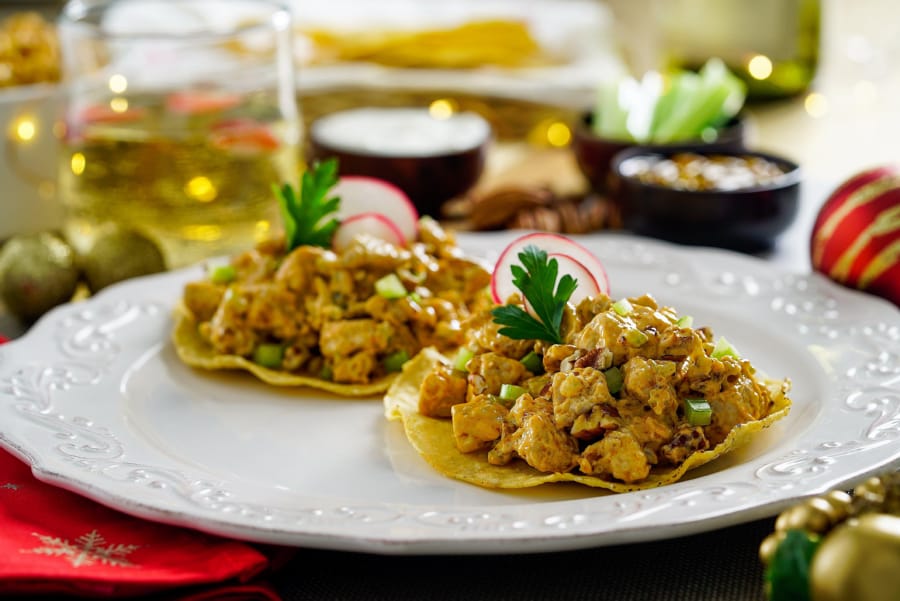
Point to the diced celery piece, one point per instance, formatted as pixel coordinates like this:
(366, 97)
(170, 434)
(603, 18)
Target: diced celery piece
(394, 361)
(534, 363)
(724, 348)
(623, 307)
(223, 274)
(268, 355)
(462, 358)
(510, 392)
(698, 412)
(635, 337)
(326, 373)
(390, 286)
(614, 379)
(685, 321)
(493, 398)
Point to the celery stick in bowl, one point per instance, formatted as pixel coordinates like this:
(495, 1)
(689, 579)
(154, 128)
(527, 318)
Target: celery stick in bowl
(700, 110)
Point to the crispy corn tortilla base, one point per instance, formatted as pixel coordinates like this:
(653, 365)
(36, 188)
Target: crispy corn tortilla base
(193, 350)
(433, 439)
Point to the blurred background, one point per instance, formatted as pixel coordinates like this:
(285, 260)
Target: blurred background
(821, 83)
(825, 96)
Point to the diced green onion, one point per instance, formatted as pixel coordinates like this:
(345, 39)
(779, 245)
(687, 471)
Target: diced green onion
(268, 355)
(635, 337)
(415, 296)
(510, 392)
(724, 348)
(623, 307)
(614, 379)
(223, 274)
(462, 357)
(390, 286)
(394, 361)
(685, 321)
(698, 412)
(534, 363)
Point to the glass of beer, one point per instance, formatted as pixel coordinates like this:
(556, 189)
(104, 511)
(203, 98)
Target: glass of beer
(179, 118)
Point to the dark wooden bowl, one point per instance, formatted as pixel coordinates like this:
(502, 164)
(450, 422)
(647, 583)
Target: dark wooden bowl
(428, 178)
(747, 219)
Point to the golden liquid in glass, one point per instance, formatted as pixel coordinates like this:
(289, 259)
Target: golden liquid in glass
(198, 184)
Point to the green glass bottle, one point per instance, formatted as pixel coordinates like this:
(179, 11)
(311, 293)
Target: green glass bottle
(773, 45)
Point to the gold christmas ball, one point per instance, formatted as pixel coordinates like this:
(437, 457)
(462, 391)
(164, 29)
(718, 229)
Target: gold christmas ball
(860, 560)
(769, 545)
(805, 516)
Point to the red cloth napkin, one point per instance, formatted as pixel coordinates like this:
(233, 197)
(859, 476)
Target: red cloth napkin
(55, 542)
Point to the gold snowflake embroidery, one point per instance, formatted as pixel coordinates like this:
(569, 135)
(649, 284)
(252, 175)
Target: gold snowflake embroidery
(86, 550)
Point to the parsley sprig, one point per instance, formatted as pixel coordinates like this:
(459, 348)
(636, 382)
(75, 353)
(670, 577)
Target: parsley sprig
(536, 279)
(310, 218)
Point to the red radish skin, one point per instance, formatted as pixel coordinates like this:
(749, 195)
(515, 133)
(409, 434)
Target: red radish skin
(99, 113)
(587, 283)
(198, 103)
(243, 136)
(372, 224)
(362, 194)
(501, 281)
(102, 113)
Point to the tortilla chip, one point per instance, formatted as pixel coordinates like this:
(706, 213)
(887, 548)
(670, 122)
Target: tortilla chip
(193, 350)
(433, 439)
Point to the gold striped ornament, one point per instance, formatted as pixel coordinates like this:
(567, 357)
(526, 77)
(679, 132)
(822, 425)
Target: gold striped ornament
(856, 236)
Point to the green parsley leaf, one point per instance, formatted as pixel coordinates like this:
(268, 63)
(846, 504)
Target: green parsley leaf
(536, 279)
(310, 218)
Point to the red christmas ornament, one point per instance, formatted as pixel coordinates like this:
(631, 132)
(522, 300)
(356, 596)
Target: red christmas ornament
(856, 236)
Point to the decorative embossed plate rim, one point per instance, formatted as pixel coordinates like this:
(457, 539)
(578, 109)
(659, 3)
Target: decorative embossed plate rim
(92, 398)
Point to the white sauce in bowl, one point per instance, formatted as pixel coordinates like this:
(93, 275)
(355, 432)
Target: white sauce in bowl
(400, 132)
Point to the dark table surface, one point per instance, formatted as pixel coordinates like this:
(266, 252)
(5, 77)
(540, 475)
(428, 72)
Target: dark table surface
(717, 565)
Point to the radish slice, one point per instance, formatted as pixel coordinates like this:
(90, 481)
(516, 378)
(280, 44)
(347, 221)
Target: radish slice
(587, 284)
(201, 102)
(361, 194)
(373, 224)
(556, 246)
(242, 136)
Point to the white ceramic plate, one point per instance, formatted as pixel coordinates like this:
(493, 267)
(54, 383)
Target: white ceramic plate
(96, 400)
